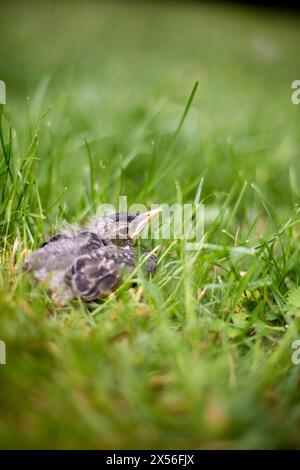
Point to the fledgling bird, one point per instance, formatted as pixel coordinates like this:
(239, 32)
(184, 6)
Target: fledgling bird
(90, 263)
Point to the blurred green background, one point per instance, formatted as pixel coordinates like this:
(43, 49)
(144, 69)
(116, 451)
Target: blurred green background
(118, 73)
(202, 358)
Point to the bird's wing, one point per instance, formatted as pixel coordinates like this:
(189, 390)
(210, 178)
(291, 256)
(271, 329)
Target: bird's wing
(60, 252)
(95, 274)
(60, 237)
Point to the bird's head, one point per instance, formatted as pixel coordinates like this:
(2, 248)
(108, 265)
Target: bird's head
(121, 227)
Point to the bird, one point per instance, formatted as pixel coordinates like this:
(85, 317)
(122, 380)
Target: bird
(91, 262)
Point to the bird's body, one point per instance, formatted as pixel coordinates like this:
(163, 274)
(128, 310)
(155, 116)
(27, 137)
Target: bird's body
(88, 263)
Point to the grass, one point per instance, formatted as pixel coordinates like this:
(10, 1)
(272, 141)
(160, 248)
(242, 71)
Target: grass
(200, 356)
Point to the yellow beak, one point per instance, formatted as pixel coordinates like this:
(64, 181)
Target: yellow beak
(140, 222)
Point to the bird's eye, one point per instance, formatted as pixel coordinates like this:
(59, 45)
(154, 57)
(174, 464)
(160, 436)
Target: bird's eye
(123, 231)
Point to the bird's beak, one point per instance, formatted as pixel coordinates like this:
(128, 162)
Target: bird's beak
(140, 222)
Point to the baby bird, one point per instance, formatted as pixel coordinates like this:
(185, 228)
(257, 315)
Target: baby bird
(90, 263)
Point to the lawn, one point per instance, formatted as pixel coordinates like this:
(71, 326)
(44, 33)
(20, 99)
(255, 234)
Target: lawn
(200, 356)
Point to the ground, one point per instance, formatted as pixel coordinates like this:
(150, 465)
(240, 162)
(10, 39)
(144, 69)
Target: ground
(199, 356)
